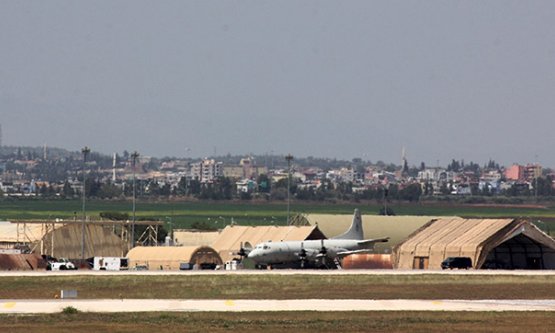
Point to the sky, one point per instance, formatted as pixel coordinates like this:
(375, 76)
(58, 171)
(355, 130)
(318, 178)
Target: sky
(471, 80)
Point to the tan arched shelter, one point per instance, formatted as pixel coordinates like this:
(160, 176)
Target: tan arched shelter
(173, 257)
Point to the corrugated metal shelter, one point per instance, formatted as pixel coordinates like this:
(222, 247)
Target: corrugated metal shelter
(230, 239)
(21, 262)
(62, 239)
(184, 237)
(489, 243)
(171, 257)
(12, 234)
(397, 228)
(100, 240)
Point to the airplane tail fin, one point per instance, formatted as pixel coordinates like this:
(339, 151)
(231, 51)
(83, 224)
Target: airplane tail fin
(355, 231)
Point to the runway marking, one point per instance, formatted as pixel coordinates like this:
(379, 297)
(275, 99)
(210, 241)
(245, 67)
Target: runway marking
(9, 305)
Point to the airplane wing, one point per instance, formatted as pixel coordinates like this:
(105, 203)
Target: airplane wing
(346, 253)
(367, 242)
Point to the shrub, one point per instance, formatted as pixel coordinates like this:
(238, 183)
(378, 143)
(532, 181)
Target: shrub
(69, 310)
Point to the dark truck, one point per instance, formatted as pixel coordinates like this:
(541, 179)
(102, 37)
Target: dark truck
(457, 262)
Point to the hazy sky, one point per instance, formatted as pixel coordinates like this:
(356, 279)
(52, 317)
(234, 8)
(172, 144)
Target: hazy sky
(469, 80)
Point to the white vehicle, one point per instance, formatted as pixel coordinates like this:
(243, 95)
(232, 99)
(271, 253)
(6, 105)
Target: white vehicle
(233, 265)
(110, 264)
(60, 265)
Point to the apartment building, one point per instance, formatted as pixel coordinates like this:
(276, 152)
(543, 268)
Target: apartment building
(207, 170)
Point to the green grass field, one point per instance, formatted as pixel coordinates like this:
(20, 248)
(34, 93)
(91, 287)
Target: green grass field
(270, 322)
(187, 286)
(218, 214)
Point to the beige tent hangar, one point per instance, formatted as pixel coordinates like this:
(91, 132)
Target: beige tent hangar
(489, 243)
(172, 257)
(397, 228)
(12, 234)
(62, 239)
(230, 239)
(184, 237)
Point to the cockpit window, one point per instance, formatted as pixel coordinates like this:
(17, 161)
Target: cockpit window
(266, 247)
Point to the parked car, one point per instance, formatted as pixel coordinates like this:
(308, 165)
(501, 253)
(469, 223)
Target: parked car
(457, 262)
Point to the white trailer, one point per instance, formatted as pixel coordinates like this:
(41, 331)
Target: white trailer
(110, 264)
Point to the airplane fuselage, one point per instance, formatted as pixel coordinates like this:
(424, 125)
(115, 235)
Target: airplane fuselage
(271, 253)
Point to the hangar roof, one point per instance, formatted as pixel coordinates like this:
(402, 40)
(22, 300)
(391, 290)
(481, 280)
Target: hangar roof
(183, 253)
(397, 228)
(11, 232)
(186, 237)
(63, 239)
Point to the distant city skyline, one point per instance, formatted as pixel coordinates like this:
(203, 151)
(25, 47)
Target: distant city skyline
(399, 163)
(469, 81)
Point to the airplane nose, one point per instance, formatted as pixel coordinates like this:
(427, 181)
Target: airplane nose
(254, 255)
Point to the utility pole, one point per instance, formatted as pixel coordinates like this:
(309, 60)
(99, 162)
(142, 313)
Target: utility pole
(134, 156)
(289, 158)
(536, 168)
(385, 193)
(85, 152)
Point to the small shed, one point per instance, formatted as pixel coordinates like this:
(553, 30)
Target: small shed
(173, 257)
(489, 243)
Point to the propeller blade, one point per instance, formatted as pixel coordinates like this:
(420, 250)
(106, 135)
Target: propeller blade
(243, 251)
(323, 249)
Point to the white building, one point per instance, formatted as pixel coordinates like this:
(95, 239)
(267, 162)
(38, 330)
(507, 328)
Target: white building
(435, 174)
(207, 170)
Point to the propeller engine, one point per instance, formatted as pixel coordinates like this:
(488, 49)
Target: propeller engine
(323, 254)
(244, 251)
(323, 250)
(302, 255)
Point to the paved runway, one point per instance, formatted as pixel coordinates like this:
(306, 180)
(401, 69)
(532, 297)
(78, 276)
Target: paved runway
(165, 305)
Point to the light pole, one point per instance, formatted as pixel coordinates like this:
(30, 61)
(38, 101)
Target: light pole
(134, 157)
(385, 193)
(85, 152)
(289, 158)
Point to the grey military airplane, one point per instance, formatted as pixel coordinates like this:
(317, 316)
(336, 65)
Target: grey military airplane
(314, 253)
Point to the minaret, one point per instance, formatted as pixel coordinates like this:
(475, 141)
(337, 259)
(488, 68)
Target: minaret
(0, 135)
(44, 152)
